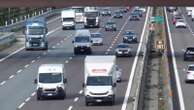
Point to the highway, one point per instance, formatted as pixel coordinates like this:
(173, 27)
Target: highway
(19, 71)
(181, 39)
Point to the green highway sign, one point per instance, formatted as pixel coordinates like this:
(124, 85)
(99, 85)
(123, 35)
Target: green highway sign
(156, 19)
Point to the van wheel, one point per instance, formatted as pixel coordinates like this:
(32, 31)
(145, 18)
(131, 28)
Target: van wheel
(86, 103)
(38, 97)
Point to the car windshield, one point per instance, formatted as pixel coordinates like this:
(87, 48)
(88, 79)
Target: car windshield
(110, 23)
(122, 46)
(191, 68)
(50, 77)
(99, 80)
(35, 30)
(96, 35)
(128, 33)
(82, 39)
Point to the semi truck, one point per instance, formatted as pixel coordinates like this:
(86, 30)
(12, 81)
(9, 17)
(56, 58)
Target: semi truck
(100, 79)
(68, 19)
(82, 41)
(91, 17)
(79, 14)
(35, 32)
(51, 81)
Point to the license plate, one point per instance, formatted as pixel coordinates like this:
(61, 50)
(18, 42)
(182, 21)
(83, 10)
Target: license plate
(98, 100)
(50, 94)
(35, 44)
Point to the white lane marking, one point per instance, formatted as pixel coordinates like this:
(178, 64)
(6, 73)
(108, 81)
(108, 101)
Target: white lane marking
(58, 44)
(26, 66)
(10, 77)
(62, 41)
(180, 93)
(70, 58)
(38, 57)
(27, 99)
(19, 71)
(76, 99)
(33, 94)
(13, 53)
(2, 59)
(70, 107)
(124, 105)
(33, 61)
(66, 61)
(81, 91)
(21, 105)
(3, 82)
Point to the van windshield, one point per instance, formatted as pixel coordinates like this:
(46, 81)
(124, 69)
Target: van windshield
(82, 39)
(68, 19)
(99, 80)
(50, 77)
(35, 30)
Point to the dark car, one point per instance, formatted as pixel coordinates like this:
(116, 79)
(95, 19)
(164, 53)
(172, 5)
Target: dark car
(129, 36)
(106, 12)
(118, 14)
(110, 26)
(134, 17)
(189, 54)
(138, 12)
(123, 49)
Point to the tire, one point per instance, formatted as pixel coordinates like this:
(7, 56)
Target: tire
(185, 58)
(112, 102)
(75, 51)
(38, 97)
(86, 102)
(115, 29)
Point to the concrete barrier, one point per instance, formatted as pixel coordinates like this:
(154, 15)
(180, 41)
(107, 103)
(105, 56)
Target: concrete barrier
(6, 40)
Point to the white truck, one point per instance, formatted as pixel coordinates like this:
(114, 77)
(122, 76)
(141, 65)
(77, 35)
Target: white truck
(68, 19)
(91, 17)
(192, 15)
(100, 79)
(51, 81)
(79, 14)
(82, 41)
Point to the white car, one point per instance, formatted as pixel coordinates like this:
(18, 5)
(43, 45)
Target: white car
(189, 73)
(180, 23)
(118, 74)
(97, 38)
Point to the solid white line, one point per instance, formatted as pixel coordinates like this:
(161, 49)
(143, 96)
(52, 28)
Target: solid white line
(76, 99)
(70, 107)
(21, 105)
(26, 66)
(81, 91)
(33, 94)
(27, 99)
(2, 59)
(124, 106)
(10, 77)
(180, 94)
(19, 71)
(3, 82)
(13, 53)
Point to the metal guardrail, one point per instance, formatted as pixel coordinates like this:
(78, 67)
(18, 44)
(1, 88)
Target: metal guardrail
(7, 39)
(20, 24)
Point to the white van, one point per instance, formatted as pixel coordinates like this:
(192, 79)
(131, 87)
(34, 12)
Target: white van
(51, 81)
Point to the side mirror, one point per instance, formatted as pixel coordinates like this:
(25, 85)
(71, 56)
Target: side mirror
(114, 85)
(83, 85)
(64, 80)
(35, 81)
(72, 41)
(91, 41)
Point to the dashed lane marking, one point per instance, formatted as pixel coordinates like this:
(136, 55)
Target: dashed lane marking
(19, 71)
(70, 107)
(27, 99)
(2, 82)
(76, 99)
(81, 91)
(26, 66)
(11, 77)
(21, 105)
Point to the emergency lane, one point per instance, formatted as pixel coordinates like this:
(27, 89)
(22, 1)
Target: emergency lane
(75, 99)
(181, 39)
(22, 82)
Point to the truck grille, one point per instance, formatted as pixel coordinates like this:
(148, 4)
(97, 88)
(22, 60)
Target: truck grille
(49, 90)
(91, 21)
(99, 93)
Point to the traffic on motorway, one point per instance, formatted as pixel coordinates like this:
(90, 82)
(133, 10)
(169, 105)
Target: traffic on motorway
(82, 59)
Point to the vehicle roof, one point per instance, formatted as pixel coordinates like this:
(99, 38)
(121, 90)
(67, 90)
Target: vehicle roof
(36, 21)
(82, 32)
(100, 59)
(51, 68)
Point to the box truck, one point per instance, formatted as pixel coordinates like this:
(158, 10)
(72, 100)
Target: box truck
(68, 19)
(100, 79)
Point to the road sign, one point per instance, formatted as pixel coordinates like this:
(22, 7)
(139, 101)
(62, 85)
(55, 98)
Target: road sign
(159, 44)
(157, 19)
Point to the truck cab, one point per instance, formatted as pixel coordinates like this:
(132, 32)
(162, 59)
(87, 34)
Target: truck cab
(68, 19)
(91, 17)
(82, 41)
(36, 34)
(100, 79)
(51, 81)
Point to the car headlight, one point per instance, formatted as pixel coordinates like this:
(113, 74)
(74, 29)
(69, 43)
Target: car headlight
(76, 45)
(88, 45)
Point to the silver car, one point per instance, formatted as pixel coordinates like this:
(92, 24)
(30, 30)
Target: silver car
(123, 49)
(97, 38)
